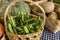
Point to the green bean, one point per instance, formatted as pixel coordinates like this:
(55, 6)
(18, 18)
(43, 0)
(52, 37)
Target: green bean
(19, 28)
(15, 10)
(34, 23)
(31, 31)
(18, 15)
(10, 28)
(21, 22)
(30, 26)
(37, 28)
(15, 31)
(11, 20)
(21, 32)
(29, 20)
(28, 15)
(22, 16)
(26, 29)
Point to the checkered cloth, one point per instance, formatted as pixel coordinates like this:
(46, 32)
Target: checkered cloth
(48, 35)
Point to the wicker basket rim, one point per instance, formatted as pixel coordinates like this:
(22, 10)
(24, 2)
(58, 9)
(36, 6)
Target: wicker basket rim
(25, 34)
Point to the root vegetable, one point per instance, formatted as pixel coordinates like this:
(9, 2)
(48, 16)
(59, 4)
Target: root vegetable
(52, 25)
(58, 14)
(53, 16)
(57, 8)
(48, 6)
(57, 26)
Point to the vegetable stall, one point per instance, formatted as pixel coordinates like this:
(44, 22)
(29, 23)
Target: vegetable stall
(25, 19)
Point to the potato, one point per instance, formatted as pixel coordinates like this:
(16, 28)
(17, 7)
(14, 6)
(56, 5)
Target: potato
(52, 16)
(48, 6)
(58, 26)
(58, 14)
(52, 25)
(1, 30)
(57, 8)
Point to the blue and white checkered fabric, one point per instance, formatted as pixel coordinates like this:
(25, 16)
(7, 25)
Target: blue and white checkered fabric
(48, 35)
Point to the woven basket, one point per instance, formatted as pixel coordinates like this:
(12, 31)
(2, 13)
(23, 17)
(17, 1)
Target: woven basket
(53, 26)
(23, 37)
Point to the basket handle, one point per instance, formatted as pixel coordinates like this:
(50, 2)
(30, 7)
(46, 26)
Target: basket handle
(32, 3)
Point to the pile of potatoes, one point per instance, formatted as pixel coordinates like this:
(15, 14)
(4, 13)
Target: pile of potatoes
(52, 11)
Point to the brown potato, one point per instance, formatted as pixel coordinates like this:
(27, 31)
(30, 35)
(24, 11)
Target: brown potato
(52, 16)
(57, 8)
(52, 25)
(48, 6)
(57, 26)
(58, 14)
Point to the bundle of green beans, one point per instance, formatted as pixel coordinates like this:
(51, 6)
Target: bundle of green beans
(24, 24)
